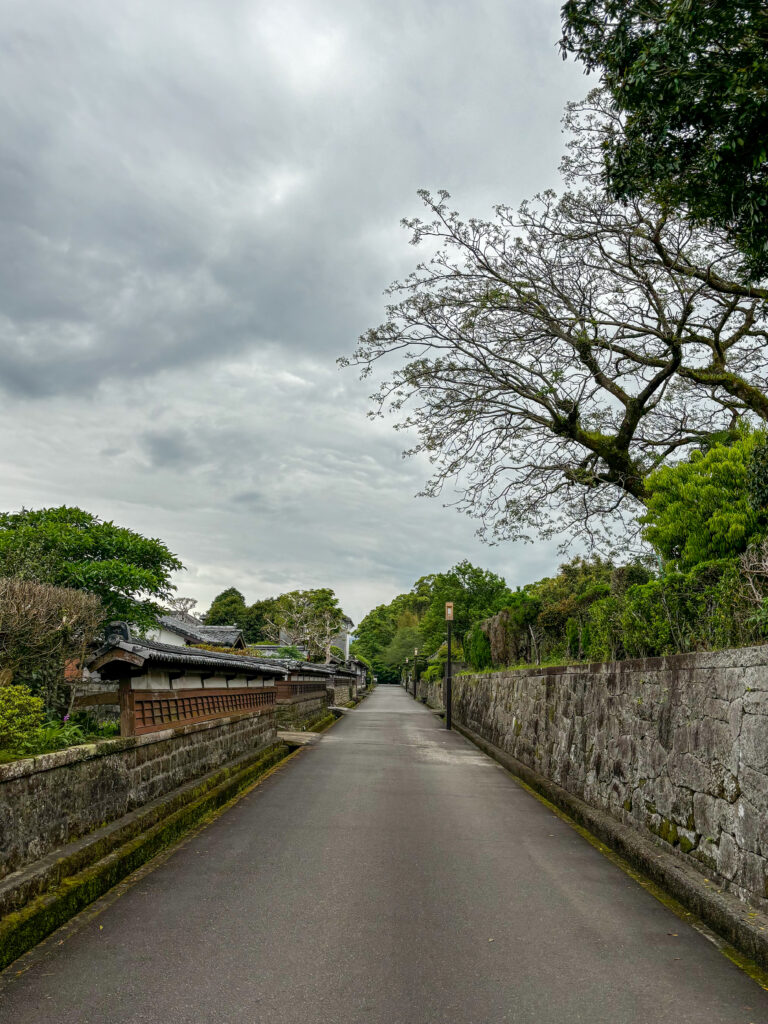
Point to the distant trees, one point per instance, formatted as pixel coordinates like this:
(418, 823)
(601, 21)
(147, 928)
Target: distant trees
(691, 82)
(375, 635)
(310, 618)
(68, 547)
(551, 358)
(390, 633)
(476, 593)
(229, 609)
(301, 618)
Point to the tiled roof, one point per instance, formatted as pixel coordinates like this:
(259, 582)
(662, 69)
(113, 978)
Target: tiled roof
(226, 636)
(220, 634)
(172, 654)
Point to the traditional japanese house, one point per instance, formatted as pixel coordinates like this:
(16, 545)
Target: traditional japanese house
(162, 686)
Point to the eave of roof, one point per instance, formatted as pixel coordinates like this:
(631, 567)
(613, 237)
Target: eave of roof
(153, 652)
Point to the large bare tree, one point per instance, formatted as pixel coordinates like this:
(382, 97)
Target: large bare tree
(550, 358)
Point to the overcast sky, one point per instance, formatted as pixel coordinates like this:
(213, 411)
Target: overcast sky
(201, 204)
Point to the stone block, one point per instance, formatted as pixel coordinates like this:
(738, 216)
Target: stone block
(712, 815)
(753, 742)
(746, 826)
(728, 856)
(753, 874)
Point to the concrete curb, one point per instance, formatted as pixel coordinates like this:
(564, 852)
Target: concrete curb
(738, 923)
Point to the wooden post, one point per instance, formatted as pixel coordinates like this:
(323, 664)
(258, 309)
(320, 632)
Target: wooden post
(127, 716)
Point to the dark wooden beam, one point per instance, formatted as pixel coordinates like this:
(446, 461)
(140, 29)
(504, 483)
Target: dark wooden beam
(128, 657)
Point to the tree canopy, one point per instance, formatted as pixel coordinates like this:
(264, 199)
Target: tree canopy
(229, 609)
(71, 548)
(690, 78)
(548, 360)
(390, 633)
(310, 618)
(700, 509)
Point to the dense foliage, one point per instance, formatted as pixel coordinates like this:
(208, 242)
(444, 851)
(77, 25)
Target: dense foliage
(230, 609)
(702, 585)
(21, 712)
(701, 509)
(68, 547)
(691, 80)
(415, 621)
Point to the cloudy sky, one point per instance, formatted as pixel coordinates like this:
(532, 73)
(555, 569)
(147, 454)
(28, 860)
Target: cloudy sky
(201, 204)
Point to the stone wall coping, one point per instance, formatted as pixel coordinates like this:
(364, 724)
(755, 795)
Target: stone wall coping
(302, 698)
(103, 748)
(735, 657)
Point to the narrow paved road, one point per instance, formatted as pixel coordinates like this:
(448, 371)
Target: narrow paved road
(391, 875)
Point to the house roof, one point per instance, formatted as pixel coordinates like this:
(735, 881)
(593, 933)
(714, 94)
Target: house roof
(315, 668)
(221, 634)
(138, 651)
(224, 636)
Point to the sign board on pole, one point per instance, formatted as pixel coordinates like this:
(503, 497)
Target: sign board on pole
(449, 611)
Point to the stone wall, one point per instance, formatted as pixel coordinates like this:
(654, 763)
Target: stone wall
(52, 799)
(301, 714)
(340, 694)
(676, 747)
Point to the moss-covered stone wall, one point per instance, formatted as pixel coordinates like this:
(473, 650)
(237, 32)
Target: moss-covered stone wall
(676, 747)
(301, 714)
(340, 694)
(50, 800)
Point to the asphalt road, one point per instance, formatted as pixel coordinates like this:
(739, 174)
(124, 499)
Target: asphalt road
(391, 875)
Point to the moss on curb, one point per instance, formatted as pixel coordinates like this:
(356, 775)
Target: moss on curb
(23, 929)
(323, 723)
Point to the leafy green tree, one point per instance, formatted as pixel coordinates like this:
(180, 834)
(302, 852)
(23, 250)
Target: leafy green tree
(256, 618)
(388, 635)
(375, 632)
(68, 547)
(700, 509)
(476, 593)
(227, 609)
(404, 641)
(691, 80)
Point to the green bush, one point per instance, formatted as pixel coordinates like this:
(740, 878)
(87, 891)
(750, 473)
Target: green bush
(606, 638)
(703, 609)
(53, 736)
(573, 638)
(21, 714)
(477, 648)
(703, 509)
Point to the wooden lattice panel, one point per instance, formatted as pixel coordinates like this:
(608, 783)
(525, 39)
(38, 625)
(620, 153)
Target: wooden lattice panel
(154, 710)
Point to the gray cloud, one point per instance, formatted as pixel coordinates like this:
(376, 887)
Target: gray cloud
(199, 207)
